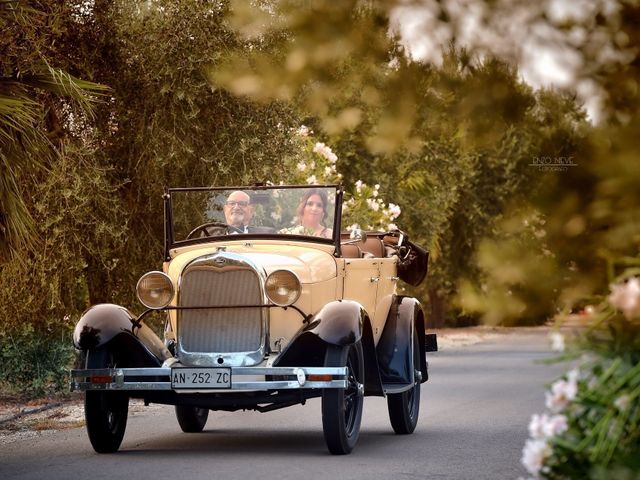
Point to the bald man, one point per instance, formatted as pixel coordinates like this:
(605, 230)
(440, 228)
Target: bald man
(238, 212)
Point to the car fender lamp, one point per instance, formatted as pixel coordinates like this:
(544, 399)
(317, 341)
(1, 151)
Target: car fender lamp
(155, 290)
(283, 287)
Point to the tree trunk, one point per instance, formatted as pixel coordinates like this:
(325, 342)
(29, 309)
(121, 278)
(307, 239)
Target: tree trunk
(438, 310)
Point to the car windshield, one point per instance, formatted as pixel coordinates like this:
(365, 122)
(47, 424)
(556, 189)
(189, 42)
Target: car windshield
(308, 211)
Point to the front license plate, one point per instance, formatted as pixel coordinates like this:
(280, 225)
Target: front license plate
(200, 378)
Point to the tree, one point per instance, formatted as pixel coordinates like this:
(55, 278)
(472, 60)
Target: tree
(96, 204)
(33, 98)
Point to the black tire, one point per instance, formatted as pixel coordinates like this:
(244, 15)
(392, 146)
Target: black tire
(191, 419)
(342, 408)
(404, 408)
(105, 413)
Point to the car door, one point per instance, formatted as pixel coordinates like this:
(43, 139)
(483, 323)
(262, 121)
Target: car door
(361, 277)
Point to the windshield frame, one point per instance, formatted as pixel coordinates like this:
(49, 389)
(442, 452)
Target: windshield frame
(170, 241)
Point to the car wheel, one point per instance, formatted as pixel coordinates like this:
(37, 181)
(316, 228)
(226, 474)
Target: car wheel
(404, 408)
(191, 419)
(342, 407)
(105, 413)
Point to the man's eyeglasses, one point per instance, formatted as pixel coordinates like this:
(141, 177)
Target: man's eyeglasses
(241, 203)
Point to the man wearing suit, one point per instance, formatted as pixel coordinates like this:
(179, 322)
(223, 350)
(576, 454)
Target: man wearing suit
(238, 212)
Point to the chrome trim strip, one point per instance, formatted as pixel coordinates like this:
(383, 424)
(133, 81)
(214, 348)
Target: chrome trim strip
(390, 388)
(339, 374)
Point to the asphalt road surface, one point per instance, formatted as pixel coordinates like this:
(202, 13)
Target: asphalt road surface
(473, 423)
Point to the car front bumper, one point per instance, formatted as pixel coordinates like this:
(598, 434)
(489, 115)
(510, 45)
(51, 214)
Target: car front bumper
(241, 379)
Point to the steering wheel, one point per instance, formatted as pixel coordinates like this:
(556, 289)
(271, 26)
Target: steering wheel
(212, 229)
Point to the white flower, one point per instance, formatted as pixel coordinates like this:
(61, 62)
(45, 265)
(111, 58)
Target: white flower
(373, 205)
(392, 226)
(557, 342)
(359, 186)
(376, 186)
(626, 297)
(394, 210)
(562, 392)
(353, 227)
(302, 166)
(375, 193)
(276, 216)
(544, 426)
(536, 426)
(303, 131)
(324, 150)
(318, 147)
(312, 180)
(573, 375)
(328, 170)
(622, 402)
(345, 207)
(534, 453)
(556, 425)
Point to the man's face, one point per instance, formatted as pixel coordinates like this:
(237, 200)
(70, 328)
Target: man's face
(238, 211)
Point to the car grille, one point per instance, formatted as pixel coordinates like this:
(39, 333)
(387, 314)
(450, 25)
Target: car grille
(221, 330)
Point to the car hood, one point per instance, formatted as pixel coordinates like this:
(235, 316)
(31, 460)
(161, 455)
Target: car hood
(310, 263)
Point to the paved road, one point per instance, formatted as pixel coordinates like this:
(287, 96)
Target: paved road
(474, 415)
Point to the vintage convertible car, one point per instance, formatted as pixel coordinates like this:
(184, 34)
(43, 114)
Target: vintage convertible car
(261, 316)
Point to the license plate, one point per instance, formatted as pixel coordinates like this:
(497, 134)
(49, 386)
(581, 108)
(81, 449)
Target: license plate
(201, 378)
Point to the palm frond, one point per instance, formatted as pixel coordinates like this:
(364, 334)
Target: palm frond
(61, 83)
(16, 223)
(18, 114)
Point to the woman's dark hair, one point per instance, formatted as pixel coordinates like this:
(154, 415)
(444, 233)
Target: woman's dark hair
(303, 202)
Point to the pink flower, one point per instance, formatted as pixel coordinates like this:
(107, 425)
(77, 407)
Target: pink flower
(318, 147)
(556, 425)
(534, 453)
(626, 297)
(562, 392)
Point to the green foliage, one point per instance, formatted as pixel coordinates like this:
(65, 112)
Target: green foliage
(95, 206)
(39, 361)
(315, 163)
(42, 292)
(597, 404)
(32, 90)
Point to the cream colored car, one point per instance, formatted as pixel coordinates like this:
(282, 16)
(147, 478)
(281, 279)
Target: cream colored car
(267, 305)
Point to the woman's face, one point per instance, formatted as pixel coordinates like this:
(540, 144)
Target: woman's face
(313, 211)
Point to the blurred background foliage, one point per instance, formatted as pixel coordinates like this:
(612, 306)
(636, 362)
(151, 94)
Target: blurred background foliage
(181, 93)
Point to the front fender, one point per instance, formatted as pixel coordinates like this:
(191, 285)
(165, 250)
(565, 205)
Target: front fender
(394, 350)
(106, 323)
(340, 322)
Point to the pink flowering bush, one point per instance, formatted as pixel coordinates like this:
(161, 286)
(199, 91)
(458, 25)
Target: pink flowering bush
(592, 427)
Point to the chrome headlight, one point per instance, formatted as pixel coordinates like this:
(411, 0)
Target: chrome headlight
(155, 290)
(283, 287)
